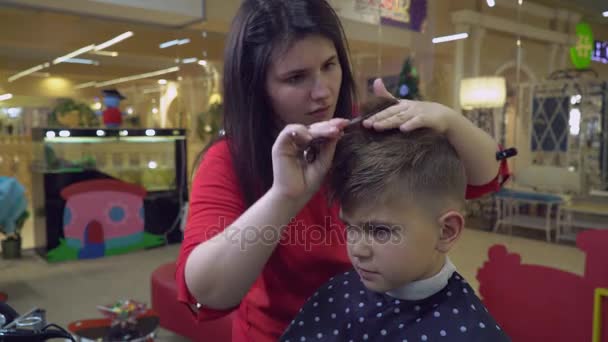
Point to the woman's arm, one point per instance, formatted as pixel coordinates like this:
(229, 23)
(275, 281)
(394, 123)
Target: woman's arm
(220, 271)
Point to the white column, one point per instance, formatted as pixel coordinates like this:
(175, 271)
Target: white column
(458, 66)
(478, 35)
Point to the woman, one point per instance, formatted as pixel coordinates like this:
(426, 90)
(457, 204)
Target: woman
(260, 236)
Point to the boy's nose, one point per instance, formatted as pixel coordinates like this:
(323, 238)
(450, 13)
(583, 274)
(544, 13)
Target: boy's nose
(360, 248)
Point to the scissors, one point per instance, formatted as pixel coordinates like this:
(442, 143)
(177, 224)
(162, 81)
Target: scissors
(311, 151)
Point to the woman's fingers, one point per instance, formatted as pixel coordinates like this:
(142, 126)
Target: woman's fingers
(327, 129)
(401, 108)
(380, 89)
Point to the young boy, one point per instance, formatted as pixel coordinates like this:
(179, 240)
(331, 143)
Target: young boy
(401, 198)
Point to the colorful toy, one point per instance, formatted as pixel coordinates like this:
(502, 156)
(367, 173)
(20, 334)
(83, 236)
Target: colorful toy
(112, 116)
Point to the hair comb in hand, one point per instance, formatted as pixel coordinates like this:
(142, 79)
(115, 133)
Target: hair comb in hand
(311, 151)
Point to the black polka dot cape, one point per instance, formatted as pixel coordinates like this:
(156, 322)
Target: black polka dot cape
(345, 310)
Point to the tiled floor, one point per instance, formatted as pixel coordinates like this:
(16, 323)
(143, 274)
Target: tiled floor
(71, 290)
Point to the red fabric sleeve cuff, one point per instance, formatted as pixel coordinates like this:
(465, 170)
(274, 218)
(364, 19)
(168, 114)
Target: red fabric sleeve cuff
(476, 191)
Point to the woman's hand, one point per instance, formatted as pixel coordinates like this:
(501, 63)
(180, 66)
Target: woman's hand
(409, 115)
(294, 178)
(476, 148)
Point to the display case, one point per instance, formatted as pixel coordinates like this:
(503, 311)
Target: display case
(106, 191)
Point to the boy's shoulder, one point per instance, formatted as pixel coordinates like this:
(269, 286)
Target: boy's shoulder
(344, 309)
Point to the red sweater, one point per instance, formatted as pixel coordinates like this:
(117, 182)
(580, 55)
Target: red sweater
(311, 251)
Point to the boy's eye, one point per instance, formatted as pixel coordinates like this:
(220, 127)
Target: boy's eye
(381, 233)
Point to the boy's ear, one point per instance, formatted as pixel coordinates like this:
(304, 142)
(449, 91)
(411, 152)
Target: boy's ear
(452, 224)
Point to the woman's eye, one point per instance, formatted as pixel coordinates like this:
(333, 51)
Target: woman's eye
(329, 65)
(295, 79)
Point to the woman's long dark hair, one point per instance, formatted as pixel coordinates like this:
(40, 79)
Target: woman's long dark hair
(260, 27)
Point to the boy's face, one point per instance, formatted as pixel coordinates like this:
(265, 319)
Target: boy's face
(393, 243)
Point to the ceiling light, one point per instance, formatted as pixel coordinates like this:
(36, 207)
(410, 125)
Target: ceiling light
(605, 14)
(443, 39)
(41, 74)
(114, 40)
(81, 61)
(5, 97)
(85, 85)
(105, 53)
(28, 71)
(189, 60)
(520, 2)
(202, 62)
(74, 54)
(174, 42)
(162, 81)
(137, 77)
(491, 3)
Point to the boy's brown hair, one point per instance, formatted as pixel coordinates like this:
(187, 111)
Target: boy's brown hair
(420, 165)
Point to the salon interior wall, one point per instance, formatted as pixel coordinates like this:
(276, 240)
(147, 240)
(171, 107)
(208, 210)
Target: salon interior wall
(498, 56)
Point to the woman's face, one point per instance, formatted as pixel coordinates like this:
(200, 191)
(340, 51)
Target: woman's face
(304, 81)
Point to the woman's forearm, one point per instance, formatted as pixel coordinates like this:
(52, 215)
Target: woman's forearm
(476, 149)
(220, 271)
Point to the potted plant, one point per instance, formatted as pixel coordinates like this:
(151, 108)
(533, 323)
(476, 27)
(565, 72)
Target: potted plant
(11, 245)
(13, 213)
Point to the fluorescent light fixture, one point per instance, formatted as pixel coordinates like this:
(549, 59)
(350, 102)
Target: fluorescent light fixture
(137, 77)
(162, 81)
(74, 54)
(150, 132)
(114, 40)
(100, 133)
(202, 62)
(41, 74)
(64, 133)
(50, 134)
(189, 60)
(174, 42)
(443, 39)
(85, 85)
(28, 71)
(605, 14)
(491, 3)
(5, 97)
(81, 61)
(105, 53)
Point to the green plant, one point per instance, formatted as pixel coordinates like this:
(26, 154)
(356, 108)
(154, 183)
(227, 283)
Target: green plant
(81, 114)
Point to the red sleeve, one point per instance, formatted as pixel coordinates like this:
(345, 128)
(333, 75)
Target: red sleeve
(476, 191)
(215, 202)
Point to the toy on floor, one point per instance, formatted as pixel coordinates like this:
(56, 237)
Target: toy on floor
(538, 303)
